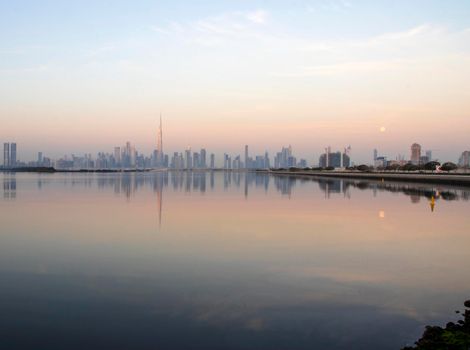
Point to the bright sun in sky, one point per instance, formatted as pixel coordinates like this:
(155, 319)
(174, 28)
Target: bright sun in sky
(382, 129)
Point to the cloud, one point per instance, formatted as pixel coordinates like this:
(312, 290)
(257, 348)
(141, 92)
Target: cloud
(100, 50)
(345, 68)
(411, 48)
(258, 17)
(330, 6)
(215, 30)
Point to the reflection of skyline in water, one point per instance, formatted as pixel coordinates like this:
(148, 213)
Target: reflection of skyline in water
(128, 184)
(9, 187)
(241, 255)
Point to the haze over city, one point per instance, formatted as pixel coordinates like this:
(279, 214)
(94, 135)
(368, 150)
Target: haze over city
(85, 77)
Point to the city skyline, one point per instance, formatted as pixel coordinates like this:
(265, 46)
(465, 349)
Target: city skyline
(313, 74)
(129, 157)
(126, 157)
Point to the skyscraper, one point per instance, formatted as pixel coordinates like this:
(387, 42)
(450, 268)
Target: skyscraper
(189, 160)
(415, 153)
(159, 159)
(117, 156)
(13, 154)
(212, 160)
(247, 165)
(429, 155)
(464, 159)
(6, 155)
(160, 137)
(203, 160)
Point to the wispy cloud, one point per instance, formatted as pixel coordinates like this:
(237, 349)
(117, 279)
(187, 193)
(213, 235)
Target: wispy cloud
(330, 6)
(385, 52)
(100, 50)
(215, 30)
(258, 17)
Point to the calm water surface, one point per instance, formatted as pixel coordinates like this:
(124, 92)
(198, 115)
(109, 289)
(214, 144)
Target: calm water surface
(227, 261)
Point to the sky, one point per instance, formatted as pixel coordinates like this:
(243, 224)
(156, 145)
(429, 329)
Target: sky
(85, 76)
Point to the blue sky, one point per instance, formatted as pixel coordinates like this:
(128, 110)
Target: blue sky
(244, 66)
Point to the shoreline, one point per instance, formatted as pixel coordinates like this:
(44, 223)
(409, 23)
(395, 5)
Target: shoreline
(447, 179)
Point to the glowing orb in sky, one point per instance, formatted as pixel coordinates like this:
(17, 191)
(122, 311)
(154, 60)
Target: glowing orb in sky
(382, 129)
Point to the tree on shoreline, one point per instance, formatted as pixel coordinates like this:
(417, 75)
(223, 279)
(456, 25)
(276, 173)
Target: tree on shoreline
(455, 336)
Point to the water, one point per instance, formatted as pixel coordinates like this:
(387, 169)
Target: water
(227, 261)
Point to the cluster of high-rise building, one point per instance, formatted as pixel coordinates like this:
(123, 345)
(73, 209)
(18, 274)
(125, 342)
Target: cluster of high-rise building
(335, 159)
(286, 159)
(127, 157)
(247, 162)
(191, 160)
(416, 157)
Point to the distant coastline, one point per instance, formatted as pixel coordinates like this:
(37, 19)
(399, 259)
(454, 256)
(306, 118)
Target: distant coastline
(461, 179)
(448, 179)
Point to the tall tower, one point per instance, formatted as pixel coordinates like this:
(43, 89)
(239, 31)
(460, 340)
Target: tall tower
(13, 154)
(246, 157)
(415, 153)
(6, 154)
(160, 137)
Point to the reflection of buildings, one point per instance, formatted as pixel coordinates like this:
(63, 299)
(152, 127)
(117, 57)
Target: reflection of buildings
(331, 186)
(159, 182)
(9, 187)
(284, 184)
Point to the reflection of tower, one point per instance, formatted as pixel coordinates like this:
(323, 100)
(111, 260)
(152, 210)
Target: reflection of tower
(9, 187)
(246, 185)
(160, 202)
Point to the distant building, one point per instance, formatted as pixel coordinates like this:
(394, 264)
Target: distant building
(212, 161)
(196, 160)
(39, 158)
(285, 159)
(415, 153)
(333, 159)
(237, 163)
(302, 163)
(380, 162)
(202, 159)
(464, 160)
(13, 154)
(227, 161)
(247, 160)
(117, 157)
(429, 155)
(6, 155)
(424, 159)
